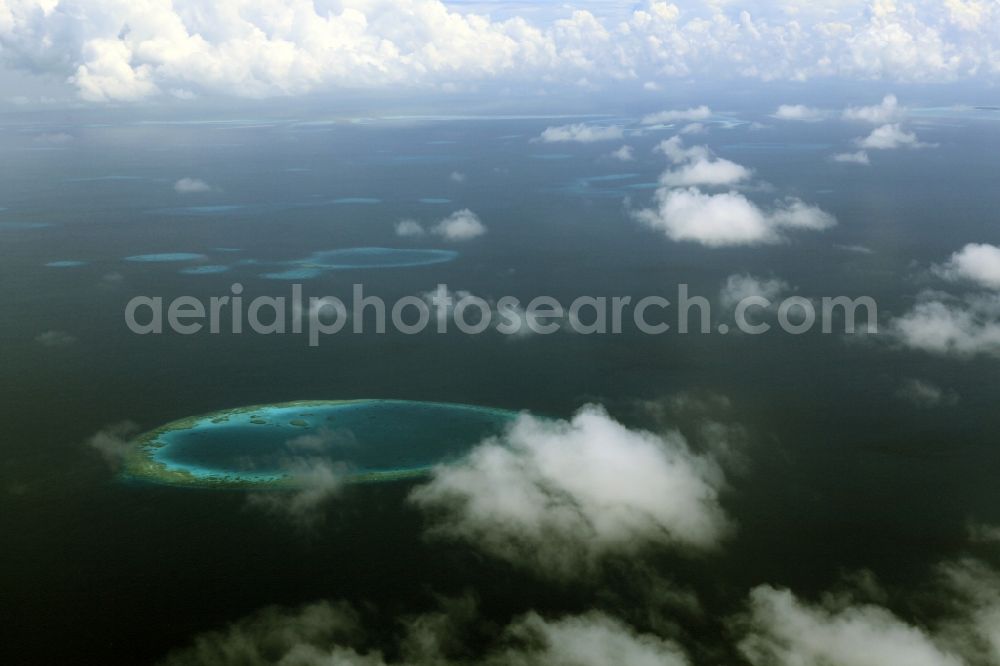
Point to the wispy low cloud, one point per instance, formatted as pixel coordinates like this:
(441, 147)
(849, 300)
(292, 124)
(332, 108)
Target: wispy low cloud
(581, 133)
(191, 186)
(317, 481)
(624, 154)
(409, 228)
(559, 496)
(858, 157)
(114, 442)
(462, 225)
(798, 112)
(456, 177)
(890, 137)
(592, 639)
(694, 113)
(335, 634)
(884, 112)
(54, 339)
(742, 286)
(922, 393)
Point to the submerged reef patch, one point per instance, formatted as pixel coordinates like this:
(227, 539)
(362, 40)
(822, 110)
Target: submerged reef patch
(359, 257)
(268, 445)
(165, 257)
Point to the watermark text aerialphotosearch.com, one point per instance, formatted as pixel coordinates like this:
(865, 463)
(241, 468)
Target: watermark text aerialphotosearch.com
(442, 311)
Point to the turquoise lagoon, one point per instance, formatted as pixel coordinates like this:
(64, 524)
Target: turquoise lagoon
(260, 446)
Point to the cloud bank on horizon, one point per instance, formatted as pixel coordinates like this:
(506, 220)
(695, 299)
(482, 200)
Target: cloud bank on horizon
(112, 51)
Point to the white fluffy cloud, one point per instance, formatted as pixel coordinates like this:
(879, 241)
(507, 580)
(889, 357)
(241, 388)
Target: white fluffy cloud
(976, 262)
(798, 112)
(879, 114)
(698, 166)
(890, 137)
(580, 133)
(114, 51)
(559, 496)
(944, 325)
(462, 225)
(711, 172)
(684, 213)
(728, 218)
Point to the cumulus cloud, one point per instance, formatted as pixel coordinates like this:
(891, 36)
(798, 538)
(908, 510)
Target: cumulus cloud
(624, 154)
(890, 137)
(408, 228)
(693, 128)
(784, 631)
(462, 225)
(798, 112)
(580, 133)
(879, 114)
(741, 286)
(859, 157)
(962, 326)
(923, 393)
(978, 263)
(558, 497)
(855, 628)
(709, 172)
(942, 324)
(695, 113)
(728, 218)
(697, 166)
(111, 51)
(191, 186)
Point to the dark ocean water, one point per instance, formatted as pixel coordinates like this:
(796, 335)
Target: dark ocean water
(842, 474)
